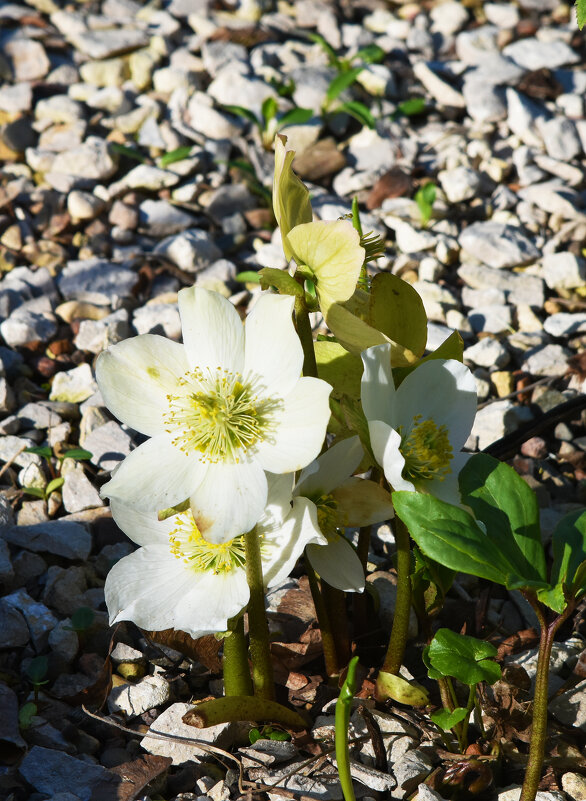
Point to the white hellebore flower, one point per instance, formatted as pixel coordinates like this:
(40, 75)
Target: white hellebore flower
(341, 500)
(179, 580)
(418, 429)
(220, 409)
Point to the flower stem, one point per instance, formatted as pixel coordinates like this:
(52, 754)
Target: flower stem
(237, 679)
(335, 602)
(360, 618)
(466, 721)
(540, 698)
(398, 638)
(323, 618)
(258, 628)
(244, 707)
(305, 334)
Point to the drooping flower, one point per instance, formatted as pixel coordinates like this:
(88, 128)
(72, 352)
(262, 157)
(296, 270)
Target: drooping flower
(177, 579)
(341, 500)
(220, 409)
(291, 203)
(418, 429)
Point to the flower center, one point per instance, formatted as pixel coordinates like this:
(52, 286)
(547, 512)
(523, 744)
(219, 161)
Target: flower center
(427, 451)
(187, 544)
(327, 513)
(219, 415)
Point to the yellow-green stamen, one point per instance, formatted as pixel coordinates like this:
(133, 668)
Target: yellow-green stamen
(427, 451)
(187, 544)
(219, 415)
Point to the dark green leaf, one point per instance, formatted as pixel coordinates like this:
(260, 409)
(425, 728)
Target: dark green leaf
(371, 54)
(569, 552)
(247, 277)
(77, 453)
(465, 658)
(281, 280)
(129, 152)
(446, 720)
(241, 111)
(430, 582)
(297, 116)
(40, 450)
(269, 109)
(431, 671)
(178, 154)
(53, 485)
(82, 618)
(26, 714)
(412, 107)
(37, 669)
(581, 13)
(500, 498)
(341, 82)
(359, 111)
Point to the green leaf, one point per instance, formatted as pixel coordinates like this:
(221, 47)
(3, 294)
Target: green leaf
(178, 154)
(280, 736)
(297, 116)
(269, 109)
(284, 283)
(341, 369)
(396, 310)
(446, 720)
(357, 423)
(254, 735)
(82, 618)
(53, 485)
(247, 277)
(37, 669)
(451, 536)
(425, 198)
(359, 111)
(241, 111)
(26, 714)
(500, 498)
(581, 13)
(36, 491)
(430, 582)
(341, 82)
(431, 671)
(40, 450)
(569, 553)
(326, 47)
(371, 54)
(77, 453)
(465, 658)
(399, 689)
(412, 107)
(129, 152)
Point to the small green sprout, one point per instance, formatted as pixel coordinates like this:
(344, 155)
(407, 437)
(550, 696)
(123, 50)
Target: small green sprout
(57, 479)
(36, 670)
(425, 198)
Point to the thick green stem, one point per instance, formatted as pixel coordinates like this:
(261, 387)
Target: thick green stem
(244, 707)
(466, 721)
(258, 628)
(327, 636)
(305, 334)
(335, 602)
(540, 698)
(398, 639)
(237, 679)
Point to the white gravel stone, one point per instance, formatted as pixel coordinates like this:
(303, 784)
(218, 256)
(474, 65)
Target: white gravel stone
(16, 98)
(439, 89)
(459, 183)
(475, 46)
(191, 250)
(501, 14)
(160, 218)
(523, 115)
(563, 324)
(488, 352)
(25, 326)
(495, 421)
(209, 122)
(491, 319)
(73, 386)
(411, 769)
(560, 138)
(145, 176)
(535, 54)
(564, 270)
(96, 281)
(90, 162)
(108, 444)
(83, 205)
(134, 699)
(550, 360)
(100, 44)
(448, 18)
(158, 318)
(28, 58)
(78, 492)
(498, 245)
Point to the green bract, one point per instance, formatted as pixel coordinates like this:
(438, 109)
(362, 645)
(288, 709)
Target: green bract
(465, 658)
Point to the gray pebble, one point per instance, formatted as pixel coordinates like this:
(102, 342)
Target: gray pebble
(25, 327)
(160, 218)
(96, 281)
(535, 54)
(498, 245)
(78, 492)
(191, 250)
(50, 771)
(550, 360)
(564, 270)
(109, 444)
(488, 352)
(39, 619)
(134, 699)
(60, 537)
(14, 631)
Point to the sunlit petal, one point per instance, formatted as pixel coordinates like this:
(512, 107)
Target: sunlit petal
(338, 564)
(331, 468)
(282, 548)
(360, 503)
(213, 333)
(378, 387)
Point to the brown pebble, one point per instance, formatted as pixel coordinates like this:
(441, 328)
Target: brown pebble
(46, 367)
(535, 448)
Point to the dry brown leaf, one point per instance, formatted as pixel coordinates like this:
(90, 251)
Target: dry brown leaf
(204, 649)
(137, 774)
(517, 642)
(394, 183)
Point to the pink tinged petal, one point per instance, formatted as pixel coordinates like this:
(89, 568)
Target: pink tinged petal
(338, 564)
(300, 430)
(331, 468)
(282, 547)
(213, 333)
(156, 475)
(443, 390)
(146, 587)
(230, 500)
(385, 443)
(273, 350)
(208, 606)
(447, 490)
(142, 526)
(136, 375)
(378, 388)
(361, 503)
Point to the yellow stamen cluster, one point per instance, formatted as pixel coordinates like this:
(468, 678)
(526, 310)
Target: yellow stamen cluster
(187, 544)
(427, 451)
(219, 415)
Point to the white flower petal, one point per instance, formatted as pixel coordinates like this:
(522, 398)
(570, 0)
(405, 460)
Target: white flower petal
(136, 375)
(230, 500)
(442, 390)
(301, 428)
(141, 526)
(361, 502)
(447, 490)
(377, 387)
(213, 333)
(338, 564)
(385, 443)
(210, 604)
(283, 547)
(146, 586)
(155, 475)
(331, 468)
(278, 506)
(272, 349)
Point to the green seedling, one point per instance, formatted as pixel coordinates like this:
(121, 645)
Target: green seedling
(26, 714)
(410, 108)
(82, 619)
(57, 479)
(500, 540)
(36, 670)
(178, 154)
(267, 733)
(270, 121)
(470, 661)
(425, 198)
(342, 722)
